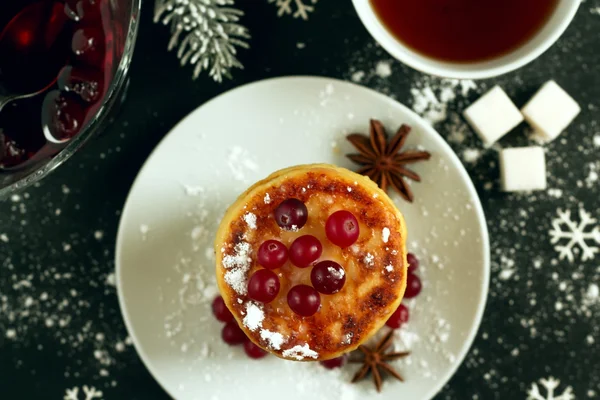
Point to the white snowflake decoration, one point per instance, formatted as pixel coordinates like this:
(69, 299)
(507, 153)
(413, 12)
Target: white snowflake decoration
(575, 235)
(90, 393)
(302, 7)
(209, 33)
(549, 384)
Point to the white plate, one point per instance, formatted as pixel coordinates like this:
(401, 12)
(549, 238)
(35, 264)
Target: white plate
(165, 268)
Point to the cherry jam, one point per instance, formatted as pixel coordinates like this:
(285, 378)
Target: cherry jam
(67, 51)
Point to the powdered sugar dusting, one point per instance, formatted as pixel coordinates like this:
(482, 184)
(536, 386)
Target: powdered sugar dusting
(240, 163)
(385, 234)
(267, 199)
(274, 339)
(335, 273)
(250, 220)
(369, 259)
(383, 69)
(300, 352)
(254, 317)
(238, 265)
(431, 96)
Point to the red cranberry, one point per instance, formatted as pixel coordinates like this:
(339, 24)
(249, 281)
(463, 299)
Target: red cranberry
(304, 300)
(253, 351)
(413, 262)
(413, 286)
(88, 45)
(399, 317)
(62, 115)
(291, 214)
(272, 254)
(328, 277)
(263, 286)
(305, 250)
(232, 334)
(87, 83)
(220, 310)
(337, 362)
(342, 228)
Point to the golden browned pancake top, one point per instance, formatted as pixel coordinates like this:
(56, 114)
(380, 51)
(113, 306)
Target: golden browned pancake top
(375, 266)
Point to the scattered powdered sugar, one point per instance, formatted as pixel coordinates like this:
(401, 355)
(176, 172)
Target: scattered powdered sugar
(144, 229)
(383, 69)
(506, 274)
(240, 162)
(193, 190)
(431, 96)
(385, 234)
(389, 268)
(238, 265)
(369, 258)
(335, 273)
(267, 199)
(254, 316)
(250, 219)
(471, 155)
(274, 339)
(358, 76)
(348, 338)
(300, 352)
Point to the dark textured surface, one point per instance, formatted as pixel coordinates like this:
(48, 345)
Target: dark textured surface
(60, 324)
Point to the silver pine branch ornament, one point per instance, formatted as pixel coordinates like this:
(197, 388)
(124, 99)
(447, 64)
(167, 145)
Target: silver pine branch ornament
(206, 32)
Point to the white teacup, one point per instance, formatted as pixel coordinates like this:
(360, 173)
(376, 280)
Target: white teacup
(543, 39)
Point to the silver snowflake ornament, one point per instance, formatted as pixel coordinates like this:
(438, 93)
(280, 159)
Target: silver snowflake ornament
(575, 237)
(550, 386)
(302, 7)
(206, 32)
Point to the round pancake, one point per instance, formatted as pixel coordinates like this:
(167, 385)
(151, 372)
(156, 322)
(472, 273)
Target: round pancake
(375, 265)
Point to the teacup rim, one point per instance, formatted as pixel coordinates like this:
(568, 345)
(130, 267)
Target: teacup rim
(523, 55)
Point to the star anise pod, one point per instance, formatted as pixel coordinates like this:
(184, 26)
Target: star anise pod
(383, 162)
(376, 361)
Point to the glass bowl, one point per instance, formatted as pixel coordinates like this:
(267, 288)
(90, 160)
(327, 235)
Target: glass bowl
(124, 26)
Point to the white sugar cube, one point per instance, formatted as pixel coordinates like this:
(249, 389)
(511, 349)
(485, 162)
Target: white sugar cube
(523, 169)
(550, 111)
(493, 115)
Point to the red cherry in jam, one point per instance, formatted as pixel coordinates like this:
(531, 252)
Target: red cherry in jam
(337, 362)
(220, 310)
(62, 115)
(305, 250)
(413, 262)
(328, 277)
(413, 286)
(272, 254)
(291, 214)
(342, 228)
(399, 317)
(304, 300)
(253, 351)
(85, 82)
(232, 334)
(88, 45)
(10, 152)
(263, 286)
(84, 10)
